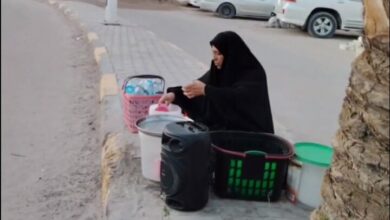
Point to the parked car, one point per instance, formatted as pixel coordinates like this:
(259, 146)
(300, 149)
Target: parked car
(195, 3)
(321, 18)
(183, 2)
(242, 8)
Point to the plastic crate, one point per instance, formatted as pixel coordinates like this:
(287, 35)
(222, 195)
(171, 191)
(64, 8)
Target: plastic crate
(136, 107)
(250, 166)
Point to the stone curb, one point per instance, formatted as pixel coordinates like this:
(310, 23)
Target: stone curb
(113, 142)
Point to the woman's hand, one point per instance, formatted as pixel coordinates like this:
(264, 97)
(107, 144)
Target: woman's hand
(194, 89)
(167, 98)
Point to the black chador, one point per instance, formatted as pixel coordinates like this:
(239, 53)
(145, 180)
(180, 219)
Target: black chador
(236, 96)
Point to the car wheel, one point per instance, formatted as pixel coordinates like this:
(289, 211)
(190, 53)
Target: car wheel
(322, 25)
(227, 10)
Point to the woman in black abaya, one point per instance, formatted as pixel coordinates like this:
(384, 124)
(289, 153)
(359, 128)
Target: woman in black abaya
(232, 95)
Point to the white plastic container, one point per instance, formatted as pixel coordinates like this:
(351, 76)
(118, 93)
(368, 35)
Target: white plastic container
(150, 132)
(306, 173)
(162, 109)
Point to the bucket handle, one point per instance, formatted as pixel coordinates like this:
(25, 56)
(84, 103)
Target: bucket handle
(268, 156)
(256, 153)
(245, 154)
(228, 151)
(251, 152)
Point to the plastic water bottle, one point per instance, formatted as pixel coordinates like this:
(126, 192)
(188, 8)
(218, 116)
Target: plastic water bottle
(130, 89)
(139, 90)
(157, 87)
(149, 87)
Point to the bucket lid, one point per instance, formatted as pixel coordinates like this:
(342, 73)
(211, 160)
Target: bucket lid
(171, 109)
(184, 128)
(155, 124)
(313, 153)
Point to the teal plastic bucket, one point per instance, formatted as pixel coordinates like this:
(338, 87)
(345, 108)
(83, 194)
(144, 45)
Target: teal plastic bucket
(306, 172)
(314, 154)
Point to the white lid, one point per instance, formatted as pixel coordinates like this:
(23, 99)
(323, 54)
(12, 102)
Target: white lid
(172, 110)
(155, 124)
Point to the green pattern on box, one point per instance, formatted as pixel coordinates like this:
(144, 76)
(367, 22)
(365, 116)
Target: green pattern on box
(251, 187)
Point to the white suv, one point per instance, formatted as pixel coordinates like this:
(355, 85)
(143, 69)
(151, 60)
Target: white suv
(321, 18)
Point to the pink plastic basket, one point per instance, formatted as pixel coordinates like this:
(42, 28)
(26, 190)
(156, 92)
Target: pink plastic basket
(136, 107)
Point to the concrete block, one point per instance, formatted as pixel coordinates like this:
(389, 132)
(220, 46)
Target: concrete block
(108, 85)
(106, 65)
(92, 36)
(98, 52)
(111, 115)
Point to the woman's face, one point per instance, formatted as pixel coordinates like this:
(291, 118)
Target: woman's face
(217, 57)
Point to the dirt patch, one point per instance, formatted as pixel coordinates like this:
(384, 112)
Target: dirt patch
(74, 193)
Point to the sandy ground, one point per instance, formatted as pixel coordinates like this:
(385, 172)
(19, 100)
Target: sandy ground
(50, 110)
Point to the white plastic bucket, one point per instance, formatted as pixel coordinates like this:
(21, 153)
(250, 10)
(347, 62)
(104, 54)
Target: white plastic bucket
(150, 131)
(171, 109)
(306, 173)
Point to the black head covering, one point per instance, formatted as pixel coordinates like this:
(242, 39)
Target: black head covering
(239, 62)
(236, 95)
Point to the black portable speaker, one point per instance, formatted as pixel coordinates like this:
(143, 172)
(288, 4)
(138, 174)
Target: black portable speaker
(185, 162)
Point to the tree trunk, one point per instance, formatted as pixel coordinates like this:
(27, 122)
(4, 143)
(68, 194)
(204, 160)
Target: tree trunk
(356, 186)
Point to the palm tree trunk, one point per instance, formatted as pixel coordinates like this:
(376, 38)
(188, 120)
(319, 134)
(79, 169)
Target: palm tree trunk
(356, 186)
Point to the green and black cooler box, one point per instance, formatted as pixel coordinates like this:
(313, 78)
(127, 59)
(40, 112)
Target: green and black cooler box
(249, 165)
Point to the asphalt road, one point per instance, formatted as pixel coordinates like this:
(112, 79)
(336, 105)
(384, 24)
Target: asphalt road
(307, 77)
(50, 152)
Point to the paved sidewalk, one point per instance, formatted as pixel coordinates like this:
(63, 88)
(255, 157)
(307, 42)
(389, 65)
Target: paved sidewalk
(134, 50)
